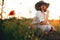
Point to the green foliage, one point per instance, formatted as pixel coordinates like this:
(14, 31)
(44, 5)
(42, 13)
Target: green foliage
(19, 29)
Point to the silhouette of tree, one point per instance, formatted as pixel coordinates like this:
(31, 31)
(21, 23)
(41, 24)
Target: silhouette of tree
(2, 3)
(30, 12)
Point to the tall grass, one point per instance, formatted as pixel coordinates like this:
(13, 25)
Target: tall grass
(20, 29)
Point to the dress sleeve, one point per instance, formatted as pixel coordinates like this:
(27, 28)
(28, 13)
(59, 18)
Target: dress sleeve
(39, 16)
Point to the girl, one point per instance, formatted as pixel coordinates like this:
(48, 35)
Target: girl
(42, 17)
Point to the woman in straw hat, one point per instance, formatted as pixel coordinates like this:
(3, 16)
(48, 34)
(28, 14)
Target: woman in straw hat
(42, 17)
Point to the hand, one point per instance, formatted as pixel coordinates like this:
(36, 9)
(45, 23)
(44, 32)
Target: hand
(43, 23)
(47, 11)
(47, 15)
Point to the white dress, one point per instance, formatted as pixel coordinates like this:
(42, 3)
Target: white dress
(39, 18)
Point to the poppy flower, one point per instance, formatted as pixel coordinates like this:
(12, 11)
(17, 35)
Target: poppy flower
(12, 13)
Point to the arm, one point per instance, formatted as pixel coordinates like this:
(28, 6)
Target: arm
(46, 19)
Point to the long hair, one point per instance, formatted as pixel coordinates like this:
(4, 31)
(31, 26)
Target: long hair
(37, 6)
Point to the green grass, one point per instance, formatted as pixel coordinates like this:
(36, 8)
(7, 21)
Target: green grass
(19, 29)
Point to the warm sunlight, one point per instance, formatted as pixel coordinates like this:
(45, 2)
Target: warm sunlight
(22, 8)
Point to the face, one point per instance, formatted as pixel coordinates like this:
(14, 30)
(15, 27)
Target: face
(43, 7)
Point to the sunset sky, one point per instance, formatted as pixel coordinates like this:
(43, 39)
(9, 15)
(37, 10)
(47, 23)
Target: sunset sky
(22, 8)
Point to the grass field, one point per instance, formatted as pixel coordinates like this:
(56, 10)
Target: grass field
(56, 24)
(20, 29)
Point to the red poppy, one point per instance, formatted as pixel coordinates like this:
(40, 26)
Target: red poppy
(12, 13)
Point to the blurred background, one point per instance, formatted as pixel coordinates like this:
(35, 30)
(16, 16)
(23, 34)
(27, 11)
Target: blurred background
(26, 8)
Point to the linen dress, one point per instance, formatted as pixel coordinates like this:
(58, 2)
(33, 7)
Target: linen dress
(39, 17)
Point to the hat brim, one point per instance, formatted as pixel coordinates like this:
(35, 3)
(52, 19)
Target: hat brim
(38, 4)
(47, 4)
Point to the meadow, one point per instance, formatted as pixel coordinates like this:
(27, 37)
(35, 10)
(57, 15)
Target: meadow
(21, 29)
